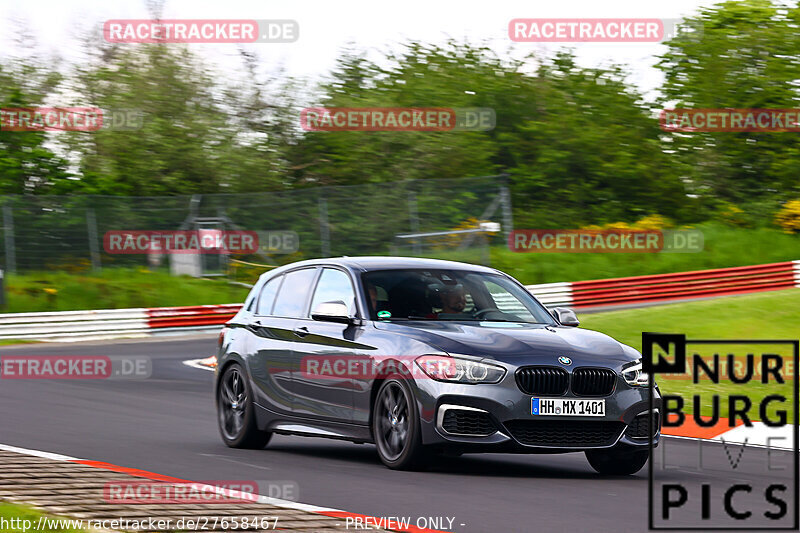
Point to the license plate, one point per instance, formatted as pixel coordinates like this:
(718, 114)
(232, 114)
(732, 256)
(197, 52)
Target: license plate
(567, 407)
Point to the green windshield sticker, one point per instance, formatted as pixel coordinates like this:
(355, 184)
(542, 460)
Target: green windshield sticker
(384, 314)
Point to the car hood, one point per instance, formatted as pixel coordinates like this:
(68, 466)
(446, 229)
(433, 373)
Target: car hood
(517, 343)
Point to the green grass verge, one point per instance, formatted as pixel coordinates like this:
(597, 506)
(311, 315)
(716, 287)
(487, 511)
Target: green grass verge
(723, 247)
(113, 288)
(15, 518)
(767, 315)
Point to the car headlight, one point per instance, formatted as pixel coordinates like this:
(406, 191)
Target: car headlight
(458, 370)
(635, 375)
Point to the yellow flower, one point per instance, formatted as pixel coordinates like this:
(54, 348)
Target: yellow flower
(732, 215)
(788, 217)
(617, 225)
(653, 222)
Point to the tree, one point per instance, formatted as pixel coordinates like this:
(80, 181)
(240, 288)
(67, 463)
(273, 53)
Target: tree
(27, 165)
(420, 76)
(579, 143)
(197, 134)
(736, 55)
(589, 151)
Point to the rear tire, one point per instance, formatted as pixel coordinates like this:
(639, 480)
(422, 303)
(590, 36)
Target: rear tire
(236, 412)
(396, 426)
(617, 462)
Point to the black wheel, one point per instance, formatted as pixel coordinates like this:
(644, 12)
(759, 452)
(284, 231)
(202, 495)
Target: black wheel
(395, 426)
(235, 411)
(617, 462)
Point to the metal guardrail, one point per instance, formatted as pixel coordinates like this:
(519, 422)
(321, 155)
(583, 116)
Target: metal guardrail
(75, 325)
(659, 288)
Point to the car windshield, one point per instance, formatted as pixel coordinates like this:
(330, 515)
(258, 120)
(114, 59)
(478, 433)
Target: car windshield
(456, 295)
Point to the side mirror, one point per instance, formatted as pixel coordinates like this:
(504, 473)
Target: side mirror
(566, 316)
(332, 312)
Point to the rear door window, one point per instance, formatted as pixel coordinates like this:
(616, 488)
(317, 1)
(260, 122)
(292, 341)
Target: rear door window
(293, 294)
(267, 296)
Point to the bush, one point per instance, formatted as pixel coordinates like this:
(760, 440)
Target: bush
(650, 222)
(788, 218)
(733, 216)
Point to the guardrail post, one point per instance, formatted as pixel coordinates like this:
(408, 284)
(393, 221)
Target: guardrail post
(324, 229)
(8, 230)
(94, 251)
(413, 218)
(508, 217)
(2, 289)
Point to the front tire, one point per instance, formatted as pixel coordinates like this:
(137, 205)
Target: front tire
(617, 462)
(236, 412)
(396, 426)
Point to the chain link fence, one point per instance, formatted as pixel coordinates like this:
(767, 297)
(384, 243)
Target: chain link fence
(66, 232)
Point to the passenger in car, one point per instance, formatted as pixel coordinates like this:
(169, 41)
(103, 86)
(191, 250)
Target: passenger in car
(375, 304)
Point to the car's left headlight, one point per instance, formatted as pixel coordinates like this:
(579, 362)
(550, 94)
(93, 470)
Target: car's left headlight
(459, 370)
(635, 376)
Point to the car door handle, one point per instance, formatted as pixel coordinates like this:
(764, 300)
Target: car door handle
(301, 331)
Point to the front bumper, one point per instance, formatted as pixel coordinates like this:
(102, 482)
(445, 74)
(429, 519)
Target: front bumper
(498, 418)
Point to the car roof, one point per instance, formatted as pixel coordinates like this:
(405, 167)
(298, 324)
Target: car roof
(368, 263)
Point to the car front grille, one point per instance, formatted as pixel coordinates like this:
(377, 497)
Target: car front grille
(544, 380)
(640, 425)
(593, 381)
(460, 422)
(565, 433)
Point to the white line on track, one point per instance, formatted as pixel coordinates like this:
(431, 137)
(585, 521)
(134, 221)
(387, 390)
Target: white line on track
(195, 363)
(37, 453)
(212, 488)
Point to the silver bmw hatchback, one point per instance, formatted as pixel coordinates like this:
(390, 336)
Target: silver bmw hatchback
(423, 357)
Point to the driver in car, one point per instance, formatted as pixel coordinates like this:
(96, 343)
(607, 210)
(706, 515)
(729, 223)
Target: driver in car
(454, 300)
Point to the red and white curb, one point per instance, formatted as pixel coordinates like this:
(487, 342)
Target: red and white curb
(222, 491)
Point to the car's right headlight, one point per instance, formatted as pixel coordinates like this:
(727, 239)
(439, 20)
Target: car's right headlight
(459, 370)
(635, 376)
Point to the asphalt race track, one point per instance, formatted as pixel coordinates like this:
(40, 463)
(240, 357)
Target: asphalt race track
(166, 424)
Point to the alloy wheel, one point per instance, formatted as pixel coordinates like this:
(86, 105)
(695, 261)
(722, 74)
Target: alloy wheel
(232, 403)
(392, 432)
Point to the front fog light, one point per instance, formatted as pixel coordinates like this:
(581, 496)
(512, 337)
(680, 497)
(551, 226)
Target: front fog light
(635, 376)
